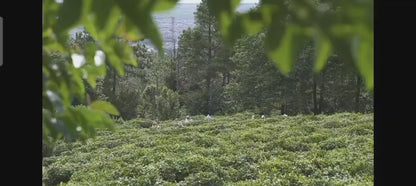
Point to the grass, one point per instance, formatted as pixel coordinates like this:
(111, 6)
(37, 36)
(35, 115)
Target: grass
(232, 150)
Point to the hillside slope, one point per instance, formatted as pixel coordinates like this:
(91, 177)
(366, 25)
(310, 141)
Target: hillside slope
(231, 150)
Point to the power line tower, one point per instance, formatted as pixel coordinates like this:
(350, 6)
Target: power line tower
(173, 39)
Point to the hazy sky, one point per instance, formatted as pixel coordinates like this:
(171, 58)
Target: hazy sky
(198, 1)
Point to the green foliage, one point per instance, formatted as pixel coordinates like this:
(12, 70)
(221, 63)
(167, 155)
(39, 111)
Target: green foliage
(203, 178)
(141, 123)
(260, 87)
(162, 104)
(203, 59)
(293, 150)
(342, 27)
(56, 174)
(106, 21)
(258, 84)
(333, 143)
(47, 150)
(104, 106)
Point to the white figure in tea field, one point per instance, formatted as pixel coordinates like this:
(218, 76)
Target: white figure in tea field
(155, 124)
(188, 120)
(263, 117)
(253, 116)
(209, 118)
(180, 124)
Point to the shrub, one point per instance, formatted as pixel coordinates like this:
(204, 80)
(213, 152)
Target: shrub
(57, 174)
(315, 138)
(290, 144)
(203, 178)
(162, 104)
(359, 129)
(47, 150)
(333, 124)
(46, 161)
(205, 141)
(360, 168)
(223, 152)
(141, 123)
(61, 147)
(126, 103)
(333, 144)
(173, 170)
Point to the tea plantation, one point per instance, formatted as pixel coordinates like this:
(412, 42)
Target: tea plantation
(230, 150)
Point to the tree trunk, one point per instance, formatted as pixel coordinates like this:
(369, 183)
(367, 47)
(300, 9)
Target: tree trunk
(114, 81)
(157, 80)
(321, 98)
(224, 77)
(177, 75)
(315, 103)
(209, 95)
(357, 94)
(209, 75)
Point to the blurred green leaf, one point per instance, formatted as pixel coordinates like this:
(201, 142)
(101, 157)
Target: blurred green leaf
(50, 41)
(253, 22)
(129, 31)
(224, 12)
(113, 58)
(55, 100)
(101, 18)
(267, 12)
(162, 5)
(77, 85)
(69, 14)
(285, 55)
(363, 52)
(125, 52)
(104, 106)
(80, 122)
(90, 74)
(323, 51)
(89, 52)
(101, 10)
(235, 30)
(50, 10)
(138, 12)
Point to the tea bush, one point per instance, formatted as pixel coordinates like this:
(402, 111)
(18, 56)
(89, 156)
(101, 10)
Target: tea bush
(231, 150)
